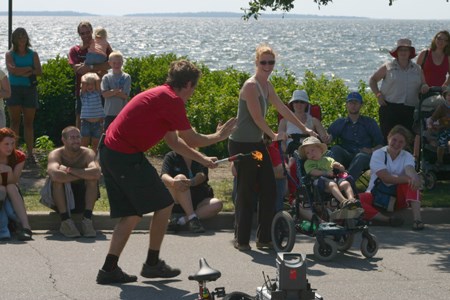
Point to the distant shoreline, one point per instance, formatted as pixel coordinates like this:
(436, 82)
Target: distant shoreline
(173, 15)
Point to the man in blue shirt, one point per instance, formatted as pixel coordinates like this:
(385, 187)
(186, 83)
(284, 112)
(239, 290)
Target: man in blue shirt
(356, 137)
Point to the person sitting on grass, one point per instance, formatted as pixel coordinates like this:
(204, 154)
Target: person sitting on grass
(75, 165)
(392, 165)
(187, 182)
(321, 168)
(11, 166)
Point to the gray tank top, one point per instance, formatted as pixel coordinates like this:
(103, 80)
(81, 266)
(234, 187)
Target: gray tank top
(247, 130)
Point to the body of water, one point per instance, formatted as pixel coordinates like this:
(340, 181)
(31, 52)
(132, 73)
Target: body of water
(351, 49)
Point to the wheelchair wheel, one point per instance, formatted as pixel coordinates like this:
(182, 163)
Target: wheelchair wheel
(344, 242)
(369, 247)
(326, 252)
(429, 179)
(283, 232)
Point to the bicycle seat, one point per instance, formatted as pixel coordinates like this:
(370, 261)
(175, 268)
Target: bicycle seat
(205, 273)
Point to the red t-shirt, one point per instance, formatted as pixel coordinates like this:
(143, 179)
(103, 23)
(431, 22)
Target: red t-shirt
(145, 120)
(20, 158)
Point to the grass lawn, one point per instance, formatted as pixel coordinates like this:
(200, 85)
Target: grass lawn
(438, 197)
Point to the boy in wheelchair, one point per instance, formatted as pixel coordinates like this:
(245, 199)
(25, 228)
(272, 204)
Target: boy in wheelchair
(321, 169)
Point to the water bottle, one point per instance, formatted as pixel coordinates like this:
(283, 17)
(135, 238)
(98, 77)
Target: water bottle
(306, 226)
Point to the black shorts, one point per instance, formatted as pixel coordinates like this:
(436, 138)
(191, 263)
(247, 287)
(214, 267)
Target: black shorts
(133, 185)
(25, 96)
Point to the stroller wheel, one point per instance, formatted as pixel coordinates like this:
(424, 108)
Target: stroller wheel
(429, 179)
(344, 242)
(327, 251)
(283, 232)
(369, 246)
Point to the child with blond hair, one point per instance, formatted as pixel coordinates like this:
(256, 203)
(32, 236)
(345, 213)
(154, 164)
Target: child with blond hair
(115, 88)
(92, 114)
(98, 48)
(321, 167)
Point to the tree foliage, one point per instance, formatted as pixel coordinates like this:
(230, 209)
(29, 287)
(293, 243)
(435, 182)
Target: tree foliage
(257, 6)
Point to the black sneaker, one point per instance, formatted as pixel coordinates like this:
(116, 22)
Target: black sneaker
(116, 276)
(195, 226)
(161, 270)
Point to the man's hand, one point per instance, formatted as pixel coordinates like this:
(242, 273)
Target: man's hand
(224, 130)
(281, 136)
(311, 133)
(210, 162)
(181, 184)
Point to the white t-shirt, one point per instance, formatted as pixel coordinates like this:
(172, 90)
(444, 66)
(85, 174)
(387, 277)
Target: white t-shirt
(394, 167)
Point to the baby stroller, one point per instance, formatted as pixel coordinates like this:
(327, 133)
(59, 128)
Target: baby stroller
(335, 233)
(428, 140)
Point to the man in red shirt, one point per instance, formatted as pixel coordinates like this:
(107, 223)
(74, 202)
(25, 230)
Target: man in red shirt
(133, 185)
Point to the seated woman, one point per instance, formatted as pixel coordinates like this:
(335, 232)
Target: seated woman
(187, 182)
(299, 104)
(11, 165)
(392, 165)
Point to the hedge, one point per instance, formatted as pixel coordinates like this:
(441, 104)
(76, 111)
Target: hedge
(215, 98)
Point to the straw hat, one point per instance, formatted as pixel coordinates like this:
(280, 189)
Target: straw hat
(311, 141)
(404, 43)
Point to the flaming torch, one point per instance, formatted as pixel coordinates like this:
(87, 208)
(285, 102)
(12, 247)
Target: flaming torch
(256, 155)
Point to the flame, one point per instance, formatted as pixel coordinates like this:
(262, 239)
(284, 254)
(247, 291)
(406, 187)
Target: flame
(257, 155)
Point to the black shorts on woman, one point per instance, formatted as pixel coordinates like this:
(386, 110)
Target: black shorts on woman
(133, 185)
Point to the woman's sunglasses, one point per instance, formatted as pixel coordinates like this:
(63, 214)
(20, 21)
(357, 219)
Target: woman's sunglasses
(265, 62)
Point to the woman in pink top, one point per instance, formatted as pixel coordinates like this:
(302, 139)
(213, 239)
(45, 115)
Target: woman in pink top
(435, 61)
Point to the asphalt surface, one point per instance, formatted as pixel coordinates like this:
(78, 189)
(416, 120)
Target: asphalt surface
(409, 265)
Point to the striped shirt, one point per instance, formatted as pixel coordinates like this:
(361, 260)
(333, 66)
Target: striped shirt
(91, 105)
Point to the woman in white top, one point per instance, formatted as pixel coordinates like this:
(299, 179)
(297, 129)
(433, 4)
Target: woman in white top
(395, 166)
(299, 104)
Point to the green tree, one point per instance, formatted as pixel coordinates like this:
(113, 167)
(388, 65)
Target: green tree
(256, 6)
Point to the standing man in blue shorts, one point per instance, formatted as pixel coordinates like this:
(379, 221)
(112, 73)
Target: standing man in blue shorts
(133, 184)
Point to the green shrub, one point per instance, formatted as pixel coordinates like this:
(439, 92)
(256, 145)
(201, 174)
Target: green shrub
(215, 99)
(56, 99)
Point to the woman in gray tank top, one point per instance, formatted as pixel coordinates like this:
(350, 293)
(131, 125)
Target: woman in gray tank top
(256, 177)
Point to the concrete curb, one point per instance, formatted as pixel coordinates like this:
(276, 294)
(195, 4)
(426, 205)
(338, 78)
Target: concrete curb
(224, 220)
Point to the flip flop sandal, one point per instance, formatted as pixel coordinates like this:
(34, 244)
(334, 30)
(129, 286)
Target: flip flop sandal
(418, 225)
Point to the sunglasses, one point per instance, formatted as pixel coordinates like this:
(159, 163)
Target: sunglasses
(265, 62)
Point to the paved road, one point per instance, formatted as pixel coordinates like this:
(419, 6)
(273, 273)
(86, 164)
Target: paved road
(409, 265)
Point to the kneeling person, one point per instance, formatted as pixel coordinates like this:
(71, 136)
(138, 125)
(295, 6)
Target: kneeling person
(76, 165)
(187, 181)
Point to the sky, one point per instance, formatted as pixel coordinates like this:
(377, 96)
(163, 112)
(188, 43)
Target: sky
(378, 9)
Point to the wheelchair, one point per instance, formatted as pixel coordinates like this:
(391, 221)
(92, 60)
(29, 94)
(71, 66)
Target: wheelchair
(333, 228)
